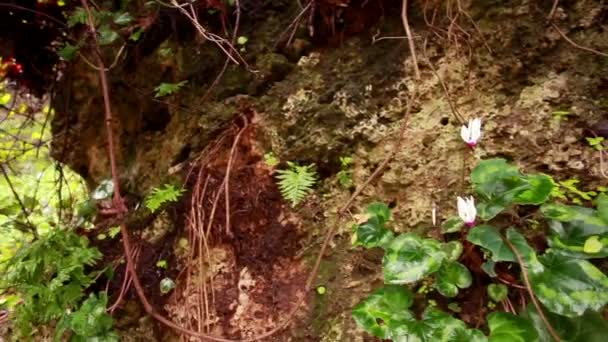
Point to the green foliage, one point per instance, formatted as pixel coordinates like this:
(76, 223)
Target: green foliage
(568, 286)
(373, 232)
(165, 89)
(568, 190)
(505, 327)
(561, 114)
(49, 275)
(596, 142)
(451, 225)
(497, 292)
(500, 185)
(451, 277)
(575, 227)
(271, 160)
(166, 285)
(385, 314)
(296, 182)
(159, 196)
(345, 175)
(590, 327)
(563, 280)
(89, 323)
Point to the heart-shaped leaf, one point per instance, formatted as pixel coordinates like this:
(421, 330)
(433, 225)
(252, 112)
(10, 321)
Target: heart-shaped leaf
(452, 225)
(505, 327)
(451, 277)
(590, 327)
(540, 187)
(569, 286)
(489, 238)
(436, 325)
(373, 233)
(409, 258)
(385, 309)
(497, 292)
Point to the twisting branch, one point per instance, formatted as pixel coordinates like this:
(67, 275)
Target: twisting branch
(410, 38)
(524, 272)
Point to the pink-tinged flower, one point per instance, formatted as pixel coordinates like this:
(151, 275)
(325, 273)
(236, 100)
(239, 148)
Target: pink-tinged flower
(467, 210)
(471, 134)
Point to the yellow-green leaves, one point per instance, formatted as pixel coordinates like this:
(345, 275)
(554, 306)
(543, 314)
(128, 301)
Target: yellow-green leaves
(451, 277)
(165, 89)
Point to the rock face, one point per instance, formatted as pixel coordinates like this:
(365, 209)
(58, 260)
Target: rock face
(344, 92)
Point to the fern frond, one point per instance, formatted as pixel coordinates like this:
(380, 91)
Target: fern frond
(160, 196)
(296, 182)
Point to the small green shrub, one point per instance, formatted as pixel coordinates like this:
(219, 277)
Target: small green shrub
(50, 276)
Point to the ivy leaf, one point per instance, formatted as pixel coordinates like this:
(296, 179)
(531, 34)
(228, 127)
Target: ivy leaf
(489, 175)
(452, 225)
(436, 325)
(539, 191)
(602, 207)
(68, 52)
(488, 267)
(165, 89)
(451, 277)
(590, 327)
(122, 18)
(452, 249)
(107, 35)
(385, 309)
(497, 292)
(79, 16)
(372, 233)
(380, 210)
(505, 327)
(489, 238)
(569, 286)
(572, 227)
(408, 258)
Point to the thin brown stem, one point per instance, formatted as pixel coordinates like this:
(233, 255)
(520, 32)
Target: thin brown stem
(410, 38)
(524, 272)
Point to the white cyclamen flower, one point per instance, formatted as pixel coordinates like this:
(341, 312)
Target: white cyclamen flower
(472, 133)
(467, 210)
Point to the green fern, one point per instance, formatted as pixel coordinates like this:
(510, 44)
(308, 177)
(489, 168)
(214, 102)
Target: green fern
(160, 196)
(296, 182)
